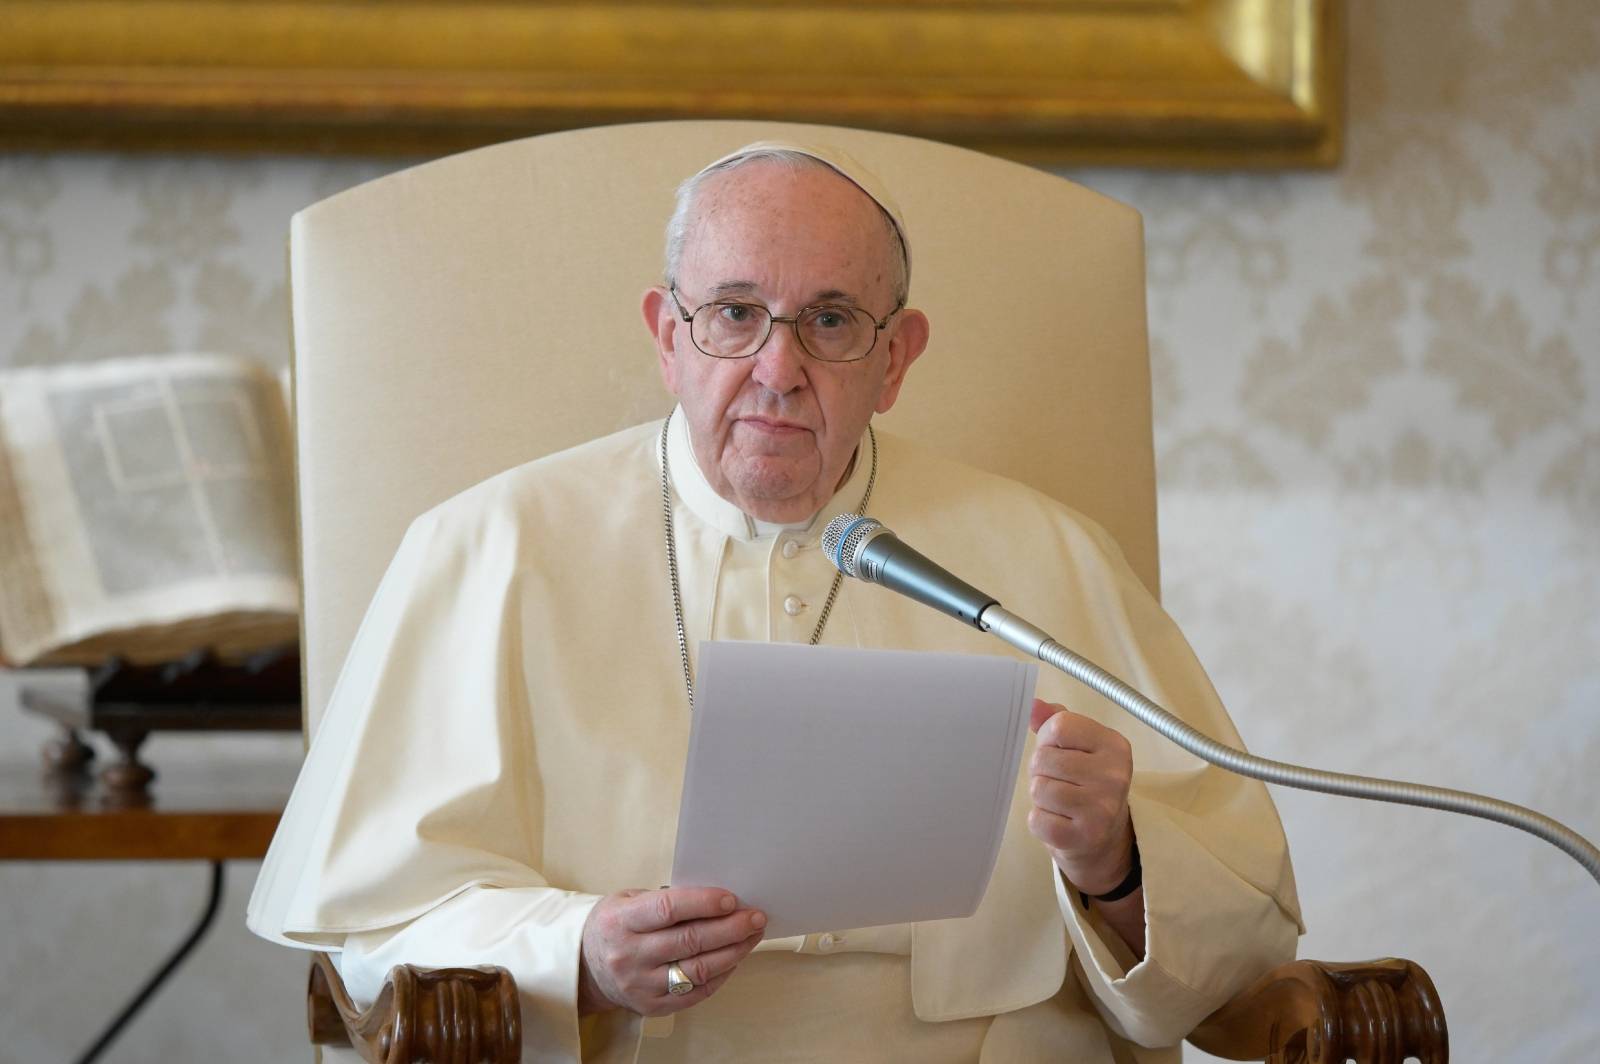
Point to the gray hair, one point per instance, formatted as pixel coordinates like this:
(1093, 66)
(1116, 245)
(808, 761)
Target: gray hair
(689, 192)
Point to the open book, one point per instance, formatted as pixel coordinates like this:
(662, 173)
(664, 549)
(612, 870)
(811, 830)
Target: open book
(145, 510)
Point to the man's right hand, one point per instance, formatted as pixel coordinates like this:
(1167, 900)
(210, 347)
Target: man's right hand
(631, 937)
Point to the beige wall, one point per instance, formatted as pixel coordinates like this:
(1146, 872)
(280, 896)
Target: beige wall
(1378, 407)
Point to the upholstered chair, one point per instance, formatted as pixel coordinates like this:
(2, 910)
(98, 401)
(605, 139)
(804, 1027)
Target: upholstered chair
(469, 314)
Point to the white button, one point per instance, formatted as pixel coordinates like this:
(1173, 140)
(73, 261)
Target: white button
(825, 941)
(790, 548)
(792, 605)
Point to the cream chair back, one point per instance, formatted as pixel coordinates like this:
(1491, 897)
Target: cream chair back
(469, 314)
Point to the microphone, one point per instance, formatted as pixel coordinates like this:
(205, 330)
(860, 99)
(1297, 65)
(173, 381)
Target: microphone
(863, 548)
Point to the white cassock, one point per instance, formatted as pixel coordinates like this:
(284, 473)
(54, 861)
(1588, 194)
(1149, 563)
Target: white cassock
(506, 744)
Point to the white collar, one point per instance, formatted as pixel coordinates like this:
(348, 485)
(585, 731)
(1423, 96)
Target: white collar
(691, 486)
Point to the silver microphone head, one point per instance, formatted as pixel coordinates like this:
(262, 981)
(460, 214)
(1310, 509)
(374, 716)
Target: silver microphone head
(843, 538)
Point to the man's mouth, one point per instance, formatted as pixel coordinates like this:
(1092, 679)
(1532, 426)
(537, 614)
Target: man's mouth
(772, 425)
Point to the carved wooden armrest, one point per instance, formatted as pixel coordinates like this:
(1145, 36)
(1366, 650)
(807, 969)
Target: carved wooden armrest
(1314, 1012)
(1303, 1012)
(459, 1015)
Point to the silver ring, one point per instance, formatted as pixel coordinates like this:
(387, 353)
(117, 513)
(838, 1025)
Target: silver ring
(677, 982)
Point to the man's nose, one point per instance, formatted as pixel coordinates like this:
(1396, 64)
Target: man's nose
(780, 365)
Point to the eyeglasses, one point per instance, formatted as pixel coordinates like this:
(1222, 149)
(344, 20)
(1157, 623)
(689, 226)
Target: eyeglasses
(828, 332)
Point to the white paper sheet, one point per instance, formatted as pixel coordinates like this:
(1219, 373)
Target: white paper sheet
(835, 788)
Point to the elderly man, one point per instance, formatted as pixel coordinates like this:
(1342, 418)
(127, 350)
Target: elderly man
(497, 777)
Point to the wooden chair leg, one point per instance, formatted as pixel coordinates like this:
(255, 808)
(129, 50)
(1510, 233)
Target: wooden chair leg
(1315, 1012)
(454, 1015)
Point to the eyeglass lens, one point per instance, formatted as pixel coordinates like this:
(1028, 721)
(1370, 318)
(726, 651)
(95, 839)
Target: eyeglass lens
(735, 330)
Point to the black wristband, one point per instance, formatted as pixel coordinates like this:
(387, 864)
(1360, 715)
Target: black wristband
(1130, 883)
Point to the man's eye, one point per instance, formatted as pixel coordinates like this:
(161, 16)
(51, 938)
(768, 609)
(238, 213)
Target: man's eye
(734, 313)
(828, 319)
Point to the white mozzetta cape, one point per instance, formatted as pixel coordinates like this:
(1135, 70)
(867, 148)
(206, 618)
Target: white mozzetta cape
(507, 739)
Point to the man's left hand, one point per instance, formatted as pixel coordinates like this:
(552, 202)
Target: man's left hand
(1080, 775)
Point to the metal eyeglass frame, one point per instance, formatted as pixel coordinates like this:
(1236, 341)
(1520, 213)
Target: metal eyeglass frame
(878, 325)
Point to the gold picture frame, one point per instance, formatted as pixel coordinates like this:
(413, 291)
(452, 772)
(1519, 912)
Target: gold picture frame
(1140, 82)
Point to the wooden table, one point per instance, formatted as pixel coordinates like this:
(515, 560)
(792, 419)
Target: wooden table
(212, 811)
(199, 813)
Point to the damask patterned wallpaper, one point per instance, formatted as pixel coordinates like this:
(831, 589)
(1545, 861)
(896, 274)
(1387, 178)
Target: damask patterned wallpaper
(1378, 432)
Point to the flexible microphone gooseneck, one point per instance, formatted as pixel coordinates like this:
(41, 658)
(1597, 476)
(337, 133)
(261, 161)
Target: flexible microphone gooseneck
(861, 547)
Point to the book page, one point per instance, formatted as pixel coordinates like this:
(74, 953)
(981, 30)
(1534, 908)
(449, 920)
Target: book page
(148, 492)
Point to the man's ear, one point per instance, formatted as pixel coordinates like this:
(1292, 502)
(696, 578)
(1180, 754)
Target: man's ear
(661, 318)
(909, 340)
